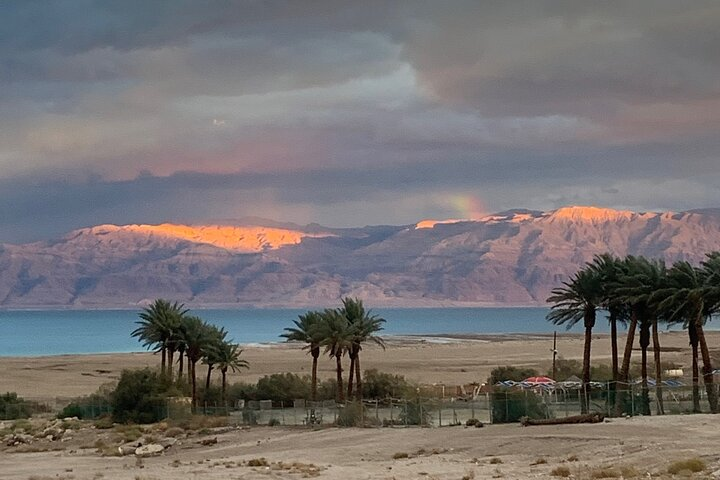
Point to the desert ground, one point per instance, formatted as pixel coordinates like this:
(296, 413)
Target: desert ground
(641, 447)
(446, 360)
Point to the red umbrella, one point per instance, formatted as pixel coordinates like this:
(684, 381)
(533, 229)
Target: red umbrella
(539, 380)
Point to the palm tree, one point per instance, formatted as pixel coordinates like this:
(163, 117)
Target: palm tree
(578, 300)
(157, 327)
(228, 358)
(693, 297)
(308, 329)
(194, 333)
(337, 338)
(610, 268)
(680, 300)
(364, 326)
(641, 279)
(211, 350)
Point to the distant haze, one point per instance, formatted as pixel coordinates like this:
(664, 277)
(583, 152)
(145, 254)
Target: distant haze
(350, 113)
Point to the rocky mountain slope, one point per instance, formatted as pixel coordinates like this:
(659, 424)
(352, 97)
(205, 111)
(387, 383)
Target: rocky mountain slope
(510, 258)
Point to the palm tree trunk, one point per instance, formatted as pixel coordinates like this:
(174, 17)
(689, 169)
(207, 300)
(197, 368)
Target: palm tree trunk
(644, 344)
(191, 371)
(338, 367)
(692, 333)
(207, 379)
(171, 354)
(180, 367)
(163, 356)
(614, 353)
(625, 370)
(351, 375)
(707, 368)
(358, 379)
(614, 345)
(224, 386)
(660, 406)
(315, 352)
(589, 324)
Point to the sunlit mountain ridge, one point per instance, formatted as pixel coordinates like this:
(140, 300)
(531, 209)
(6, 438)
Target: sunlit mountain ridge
(509, 258)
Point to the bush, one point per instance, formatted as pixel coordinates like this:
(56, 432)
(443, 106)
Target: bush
(241, 391)
(283, 388)
(351, 415)
(693, 465)
(13, 407)
(515, 374)
(90, 406)
(379, 385)
(140, 397)
(509, 405)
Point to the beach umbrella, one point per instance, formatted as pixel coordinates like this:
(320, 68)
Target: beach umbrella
(539, 381)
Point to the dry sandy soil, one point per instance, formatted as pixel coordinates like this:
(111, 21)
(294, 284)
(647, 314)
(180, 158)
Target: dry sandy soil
(642, 446)
(451, 361)
(636, 447)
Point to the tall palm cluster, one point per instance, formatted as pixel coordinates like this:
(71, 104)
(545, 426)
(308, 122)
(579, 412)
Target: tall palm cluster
(168, 328)
(642, 294)
(339, 332)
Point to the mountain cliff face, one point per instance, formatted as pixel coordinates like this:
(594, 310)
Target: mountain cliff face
(510, 258)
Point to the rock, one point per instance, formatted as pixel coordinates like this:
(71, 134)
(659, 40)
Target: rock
(208, 441)
(168, 442)
(52, 432)
(71, 419)
(127, 450)
(149, 450)
(18, 438)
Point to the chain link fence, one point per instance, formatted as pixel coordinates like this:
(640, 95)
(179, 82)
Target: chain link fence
(498, 406)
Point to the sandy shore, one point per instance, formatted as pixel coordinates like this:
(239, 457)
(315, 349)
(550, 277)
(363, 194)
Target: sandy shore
(427, 360)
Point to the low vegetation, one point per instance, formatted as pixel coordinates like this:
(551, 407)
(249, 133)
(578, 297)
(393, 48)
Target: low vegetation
(691, 465)
(13, 407)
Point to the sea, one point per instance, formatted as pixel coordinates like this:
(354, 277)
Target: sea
(55, 332)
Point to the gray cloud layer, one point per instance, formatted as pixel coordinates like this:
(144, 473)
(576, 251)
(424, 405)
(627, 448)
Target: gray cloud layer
(351, 112)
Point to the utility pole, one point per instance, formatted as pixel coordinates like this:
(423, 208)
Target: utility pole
(554, 353)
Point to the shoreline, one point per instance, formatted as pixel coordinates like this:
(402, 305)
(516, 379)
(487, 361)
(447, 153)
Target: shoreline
(439, 359)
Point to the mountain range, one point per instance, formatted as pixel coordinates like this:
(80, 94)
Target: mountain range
(510, 258)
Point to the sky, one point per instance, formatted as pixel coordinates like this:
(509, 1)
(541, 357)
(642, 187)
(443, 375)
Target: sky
(350, 113)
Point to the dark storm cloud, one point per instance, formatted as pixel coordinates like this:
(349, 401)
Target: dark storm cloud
(330, 111)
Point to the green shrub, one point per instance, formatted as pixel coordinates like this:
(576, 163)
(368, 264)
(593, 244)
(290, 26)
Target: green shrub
(327, 390)
(140, 397)
(241, 391)
(385, 385)
(90, 406)
(13, 407)
(508, 405)
(515, 374)
(283, 388)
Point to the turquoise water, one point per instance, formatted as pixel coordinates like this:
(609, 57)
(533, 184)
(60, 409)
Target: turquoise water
(52, 332)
